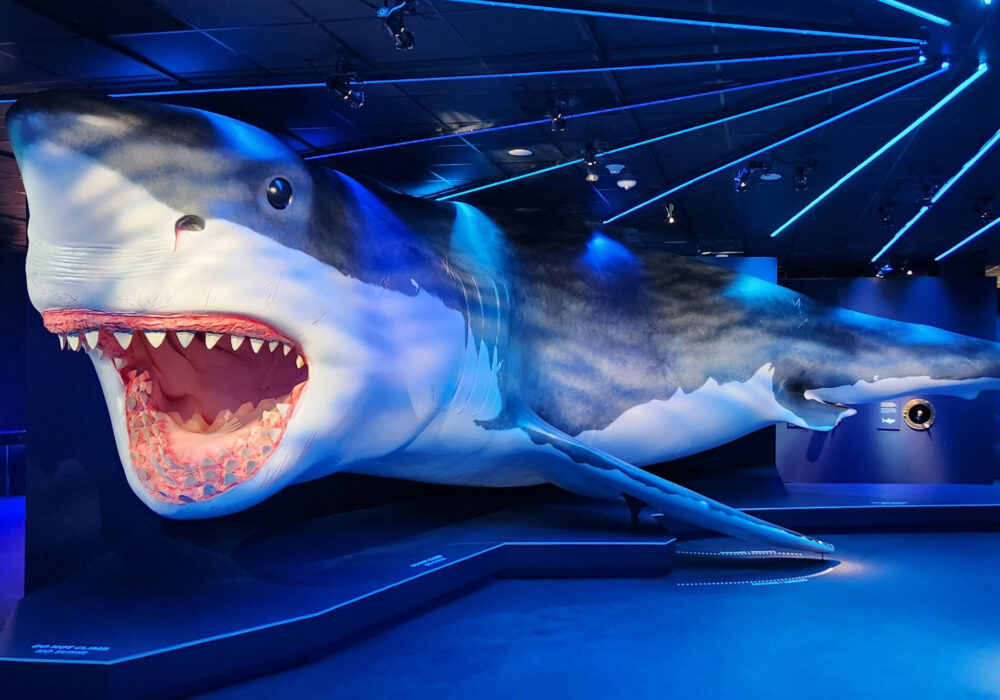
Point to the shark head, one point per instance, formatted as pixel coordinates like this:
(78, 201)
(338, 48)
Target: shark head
(219, 286)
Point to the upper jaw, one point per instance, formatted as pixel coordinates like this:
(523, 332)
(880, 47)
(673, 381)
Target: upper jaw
(200, 402)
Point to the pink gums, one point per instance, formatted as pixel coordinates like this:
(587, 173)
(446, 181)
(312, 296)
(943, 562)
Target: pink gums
(200, 420)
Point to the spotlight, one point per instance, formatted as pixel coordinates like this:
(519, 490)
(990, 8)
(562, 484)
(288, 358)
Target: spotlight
(801, 179)
(885, 213)
(394, 23)
(926, 197)
(742, 180)
(886, 269)
(590, 160)
(983, 212)
(670, 214)
(343, 84)
(555, 106)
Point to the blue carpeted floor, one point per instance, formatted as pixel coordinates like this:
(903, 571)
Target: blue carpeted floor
(900, 616)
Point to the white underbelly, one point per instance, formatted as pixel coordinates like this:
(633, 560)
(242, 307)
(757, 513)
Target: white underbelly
(686, 423)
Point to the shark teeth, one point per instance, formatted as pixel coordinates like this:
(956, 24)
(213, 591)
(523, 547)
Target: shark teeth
(155, 338)
(124, 338)
(99, 341)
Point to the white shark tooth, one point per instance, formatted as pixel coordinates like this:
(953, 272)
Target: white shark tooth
(299, 362)
(211, 339)
(155, 338)
(286, 348)
(74, 341)
(236, 341)
(272, 345)
(256, 344)
(283, 409)
(92, 337)
(62, 341)
(100, 354)
(119, 362)
(124, 338)
(184, 337)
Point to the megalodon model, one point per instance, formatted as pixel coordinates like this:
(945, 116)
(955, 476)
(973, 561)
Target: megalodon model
(257, 321)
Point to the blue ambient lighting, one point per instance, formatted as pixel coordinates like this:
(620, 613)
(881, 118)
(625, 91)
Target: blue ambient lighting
(780, 142)
(203, 91)
(968, 240)
(605, 253)
(596, 112)
(671, 134)
(689, 22)
(914, 11)
(969, 164)
(885, 147)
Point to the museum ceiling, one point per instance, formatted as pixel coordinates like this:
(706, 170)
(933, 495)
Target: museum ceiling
(812, 119)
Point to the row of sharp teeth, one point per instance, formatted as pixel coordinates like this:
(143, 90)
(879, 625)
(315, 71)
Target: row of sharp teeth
(90, 339)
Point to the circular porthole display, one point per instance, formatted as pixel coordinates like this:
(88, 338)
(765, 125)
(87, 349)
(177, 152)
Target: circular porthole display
(919, 414)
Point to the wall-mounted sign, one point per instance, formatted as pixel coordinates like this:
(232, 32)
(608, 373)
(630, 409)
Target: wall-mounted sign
(888, 415)
(919, 414)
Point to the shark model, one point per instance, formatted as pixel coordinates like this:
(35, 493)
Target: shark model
(257, 321)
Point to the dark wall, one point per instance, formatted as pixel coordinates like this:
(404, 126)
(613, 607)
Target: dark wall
(958, 448)
(13, 303)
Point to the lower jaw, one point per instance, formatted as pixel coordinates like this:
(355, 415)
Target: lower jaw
(176, 465)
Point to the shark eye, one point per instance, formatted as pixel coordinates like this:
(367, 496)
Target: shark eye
(279, 193)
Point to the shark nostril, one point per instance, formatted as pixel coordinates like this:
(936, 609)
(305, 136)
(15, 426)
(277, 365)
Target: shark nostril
(189, 222)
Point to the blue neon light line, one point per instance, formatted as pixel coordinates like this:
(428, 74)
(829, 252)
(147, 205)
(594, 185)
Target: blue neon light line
(885, 147)
(497, 183)
(915, 11)
(520, 74)
(608, 110)
(969, 164)
(780, 142)
(689, 22)
(641, 66)
(203, 91)
(968, 240)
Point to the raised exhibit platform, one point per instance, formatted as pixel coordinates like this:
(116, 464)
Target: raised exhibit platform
(126, 623)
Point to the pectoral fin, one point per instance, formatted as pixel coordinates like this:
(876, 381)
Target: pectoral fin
(598, 473)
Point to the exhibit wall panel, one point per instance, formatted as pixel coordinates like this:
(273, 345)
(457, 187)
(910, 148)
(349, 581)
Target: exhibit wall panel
(957, 448)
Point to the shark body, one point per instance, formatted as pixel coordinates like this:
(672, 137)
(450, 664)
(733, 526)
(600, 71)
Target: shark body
(256, 322)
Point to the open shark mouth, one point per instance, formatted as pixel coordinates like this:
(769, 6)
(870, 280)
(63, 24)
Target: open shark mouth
(207, 397)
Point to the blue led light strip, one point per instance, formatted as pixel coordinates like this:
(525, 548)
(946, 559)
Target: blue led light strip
(916, 11)
(644, 142)
(597, 112)
(516, 74)
(641, 66)
(689, 22)
(885, 147)
(775, 144)
(969, 164)
(968, 240)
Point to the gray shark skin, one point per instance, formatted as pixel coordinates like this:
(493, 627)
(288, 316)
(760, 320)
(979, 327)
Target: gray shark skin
(356, 329)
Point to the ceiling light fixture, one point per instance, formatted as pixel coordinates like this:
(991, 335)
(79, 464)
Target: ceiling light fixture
(670, 214)
(722, 120)
(521, 152)
(969, 164)
(611, 110)
(555, 105)
(627, 183)
(590, 160)
(344, 83)
(885, 147)
(686, 21)
(801, 179)
(394, 23)
(780, 142)
(742, 179)
(614, 168)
